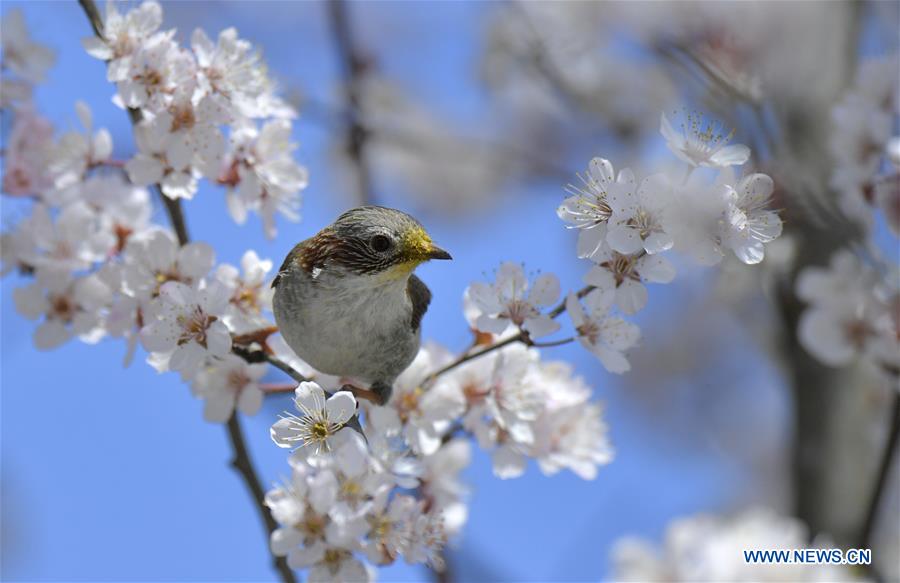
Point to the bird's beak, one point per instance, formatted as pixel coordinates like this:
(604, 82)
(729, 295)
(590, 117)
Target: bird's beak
(437, 253)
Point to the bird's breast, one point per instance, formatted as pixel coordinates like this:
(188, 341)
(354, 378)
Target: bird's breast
(347, 326)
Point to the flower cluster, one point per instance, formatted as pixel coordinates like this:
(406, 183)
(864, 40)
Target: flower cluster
(98, 265)
(864, 146)
(854, 313)
(347, 499)
(626, 225)
(185, 97)
(710, 548)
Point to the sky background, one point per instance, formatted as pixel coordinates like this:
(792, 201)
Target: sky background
(111, 474)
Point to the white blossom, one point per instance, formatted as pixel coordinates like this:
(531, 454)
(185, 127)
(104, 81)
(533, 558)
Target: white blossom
(750, 223)
(28, 149)
(122, 36)
(76, 152)
(638, 217)
(25, 58)
(505, 303)
(421, 413)
(73, 241)
(155, 71)
(587, 208)
(261, 174)
(702, 143)
(70, 307)
(250, 293)
(852, 313)
(711, 548)
(184, 326)
(232, 69)
(624, 275)
(154, 258)
(604, 335)
(320, 421)
(162, 160)
(227, 384)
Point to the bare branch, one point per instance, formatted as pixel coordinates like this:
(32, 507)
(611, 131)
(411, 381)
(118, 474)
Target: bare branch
(354, 68)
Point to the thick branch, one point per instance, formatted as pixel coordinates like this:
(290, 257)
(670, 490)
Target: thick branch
(353, 67)
(241, 462)
(890, 449)
(244, 465)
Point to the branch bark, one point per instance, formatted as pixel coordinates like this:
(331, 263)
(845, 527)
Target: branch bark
(353, 66)
(241, 460)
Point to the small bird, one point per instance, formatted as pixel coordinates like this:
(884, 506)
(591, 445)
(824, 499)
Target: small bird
(347, 302)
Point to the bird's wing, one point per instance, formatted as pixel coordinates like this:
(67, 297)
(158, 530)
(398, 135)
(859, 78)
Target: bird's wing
(307, 255)
(420, 296)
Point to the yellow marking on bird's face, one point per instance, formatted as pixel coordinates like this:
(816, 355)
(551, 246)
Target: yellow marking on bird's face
(415, 249)
(416, 244)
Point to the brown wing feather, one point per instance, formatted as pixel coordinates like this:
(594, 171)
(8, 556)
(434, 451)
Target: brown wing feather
(309, 254)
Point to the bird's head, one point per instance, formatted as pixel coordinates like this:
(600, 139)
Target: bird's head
(381, 241)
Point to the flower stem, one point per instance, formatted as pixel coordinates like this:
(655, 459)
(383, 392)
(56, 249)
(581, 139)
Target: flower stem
(241, 461)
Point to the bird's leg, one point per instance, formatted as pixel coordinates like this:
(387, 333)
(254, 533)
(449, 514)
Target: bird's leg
(383, 391)
(361, 393)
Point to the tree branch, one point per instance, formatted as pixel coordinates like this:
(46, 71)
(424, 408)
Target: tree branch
(241, 461)
(353, 68)
(890, 449)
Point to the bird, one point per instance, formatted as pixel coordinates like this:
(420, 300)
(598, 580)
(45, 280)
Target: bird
(347, 302)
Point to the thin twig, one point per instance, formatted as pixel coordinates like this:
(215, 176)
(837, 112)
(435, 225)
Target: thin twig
(520, 337)
(241, 461)
(552, 343)
(884, 467)
(353, 68)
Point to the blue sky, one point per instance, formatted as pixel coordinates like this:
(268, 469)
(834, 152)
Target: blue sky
(111, 473)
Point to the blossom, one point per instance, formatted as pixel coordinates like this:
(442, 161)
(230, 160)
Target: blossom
(852, 313)
(122, 36)
(506, 303)
(183, 324)
(27, 151)
(262, 175)
(702, 143)
(72, 242)
(570, 433)
(227, 384)
(21, 55)
(154, 258)
(625, 273)
(750, 223)
(587, 208)
(711, 548)
(441, 484)
(249, 293)
(76, 152)
(155, 71)
(638, 218)
(320, 422)
(421, 413)
(605, 336)
(161, 160)
(232, 69)
(71, 307)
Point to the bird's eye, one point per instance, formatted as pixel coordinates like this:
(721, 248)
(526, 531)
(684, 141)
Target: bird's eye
(380, 243)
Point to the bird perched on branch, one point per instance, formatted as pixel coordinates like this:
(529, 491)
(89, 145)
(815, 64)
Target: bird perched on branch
(347, 302)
